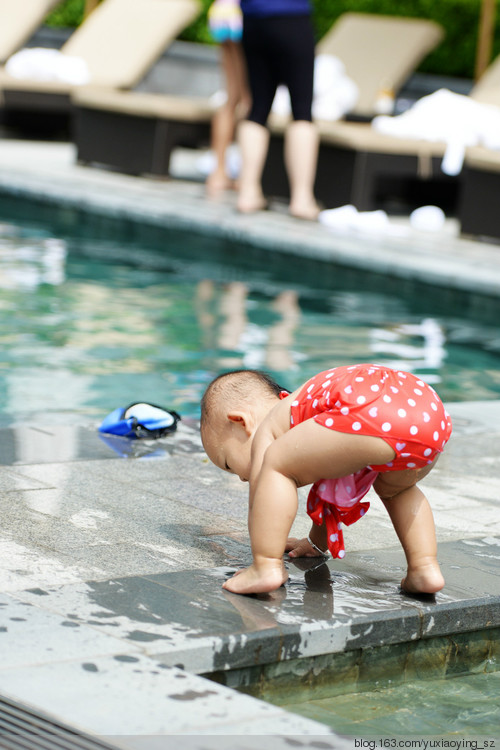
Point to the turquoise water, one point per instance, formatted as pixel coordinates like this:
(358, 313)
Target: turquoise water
(90, 321)
(463, 706)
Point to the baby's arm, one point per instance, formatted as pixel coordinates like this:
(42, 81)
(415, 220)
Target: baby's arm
(273, 507)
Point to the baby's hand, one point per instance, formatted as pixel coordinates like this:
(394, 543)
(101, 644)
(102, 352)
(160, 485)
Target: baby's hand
(300, 548)
(268, 577)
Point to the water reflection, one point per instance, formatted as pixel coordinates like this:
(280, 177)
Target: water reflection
(224, 317)
(26, 264)
(87, 334)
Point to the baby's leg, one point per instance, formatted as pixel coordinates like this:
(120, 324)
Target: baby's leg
(413, 521)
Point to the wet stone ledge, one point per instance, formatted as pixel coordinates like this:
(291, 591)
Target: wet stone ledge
(185, 619)
(367, 669)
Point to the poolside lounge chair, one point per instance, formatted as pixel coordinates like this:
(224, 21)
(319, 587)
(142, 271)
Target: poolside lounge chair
(18, 21)
(160, 123)
(119, 42)
(135, 132)
(356, 161)
(478, 209)
(379, 52)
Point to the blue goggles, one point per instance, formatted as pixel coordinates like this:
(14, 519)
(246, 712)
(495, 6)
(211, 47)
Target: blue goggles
(140, 420)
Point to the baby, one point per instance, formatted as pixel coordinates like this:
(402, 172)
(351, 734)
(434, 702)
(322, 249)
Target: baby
(345, 430)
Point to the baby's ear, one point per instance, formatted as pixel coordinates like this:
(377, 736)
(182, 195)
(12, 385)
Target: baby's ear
(241, 418)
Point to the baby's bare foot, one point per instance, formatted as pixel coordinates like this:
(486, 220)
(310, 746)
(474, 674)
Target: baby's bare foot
(257, 581)
(426, 579)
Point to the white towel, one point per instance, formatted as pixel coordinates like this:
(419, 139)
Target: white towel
(41, 64)
(457, 120)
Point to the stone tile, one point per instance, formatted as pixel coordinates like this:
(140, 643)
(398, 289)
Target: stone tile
(130, 694)
(26, 444)
(30, 636)
(14, 481)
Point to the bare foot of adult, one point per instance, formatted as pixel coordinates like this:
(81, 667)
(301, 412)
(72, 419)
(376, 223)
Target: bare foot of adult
(309, 212)
(251, 203)
(217, 183)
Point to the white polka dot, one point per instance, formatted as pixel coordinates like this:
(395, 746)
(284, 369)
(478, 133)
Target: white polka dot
(339, 525)
(326, 384)
(310, 388)
(426, 417)
(410, 465)
(348, 389)
(387, 399)
(348, 489)
(442, 424)
(413, 429)
(359, 379)
(391, 463)
(394, 389)
(402, 375)
(291, 420)
(386, 426)
(405, 455)
(356, 426)
(436, 435)
(417, 391)
(420, 382)
(433, 406)
(412, 402)
(320, 516)
(295, 403)
(315, 403)
(361, 399)
(401, 413)
(322, 487)
(375, 388)
(400, 446)
(427, 451)
(338, 404)
(329, 422)
(334, 537)
(362, 512)
(344, 410)
(373, 411)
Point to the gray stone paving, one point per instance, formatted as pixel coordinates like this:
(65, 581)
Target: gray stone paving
(111, 567)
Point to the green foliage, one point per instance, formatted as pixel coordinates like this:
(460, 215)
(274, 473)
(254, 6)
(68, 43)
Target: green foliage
(69, 13)
(455, 56)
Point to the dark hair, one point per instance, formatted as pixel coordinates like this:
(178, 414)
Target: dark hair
(237, 383)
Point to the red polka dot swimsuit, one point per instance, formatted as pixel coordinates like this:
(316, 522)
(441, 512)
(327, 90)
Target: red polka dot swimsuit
(369, 400)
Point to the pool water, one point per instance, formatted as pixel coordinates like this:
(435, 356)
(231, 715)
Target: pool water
(460, 706)
(91, 322)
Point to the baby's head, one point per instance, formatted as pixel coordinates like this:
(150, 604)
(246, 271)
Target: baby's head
(232, 408)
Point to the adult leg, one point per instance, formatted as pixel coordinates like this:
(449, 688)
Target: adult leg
(224, 120)
(253, 136)
(254, 143)
(296, 60)
(301, 156)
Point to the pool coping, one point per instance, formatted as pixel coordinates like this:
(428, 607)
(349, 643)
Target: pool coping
(440, 259)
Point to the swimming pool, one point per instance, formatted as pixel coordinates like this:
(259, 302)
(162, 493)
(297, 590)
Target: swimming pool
(94, 315)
